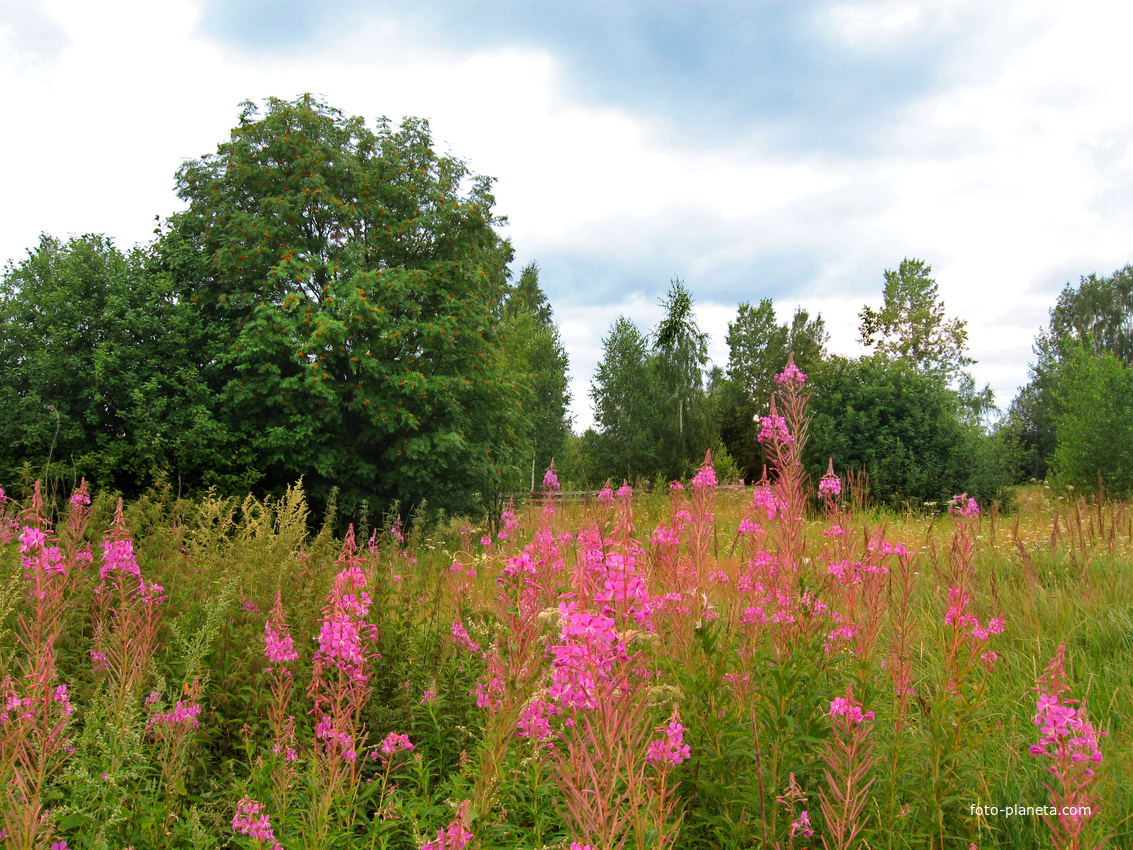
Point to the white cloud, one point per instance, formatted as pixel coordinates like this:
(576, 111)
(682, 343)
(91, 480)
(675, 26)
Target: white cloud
(1011, 176)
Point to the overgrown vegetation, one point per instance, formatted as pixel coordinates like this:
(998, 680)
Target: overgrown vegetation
(709, 668)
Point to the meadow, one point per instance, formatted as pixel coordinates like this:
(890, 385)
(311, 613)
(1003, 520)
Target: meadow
(780, 665)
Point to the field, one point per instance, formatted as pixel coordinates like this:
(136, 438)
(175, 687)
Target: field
(703, 668)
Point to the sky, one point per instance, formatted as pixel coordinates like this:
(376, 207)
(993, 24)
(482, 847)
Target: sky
(779, 149)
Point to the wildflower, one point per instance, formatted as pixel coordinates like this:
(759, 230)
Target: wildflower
(964, 506)
(705, 478)
(429, 697)
(791, 376)
(460, 637)
(606, 494)
(248, 821)
(831, 485)
(550, 480)
(278, 646)
(535, 722)
(392, 745)
(802, 825)
(671, 749)
(774, 428)
(456, 835)
(850, 709)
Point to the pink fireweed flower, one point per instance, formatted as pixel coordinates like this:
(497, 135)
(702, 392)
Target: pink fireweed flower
(763, 499)
(625, 492)
(850, 709)
(606, 494)
(250, 822)
(550, 480)
(671, 748)
(791, 376)
(429, 697)
(677, 487)
(456, 835)
(705, 478)
(278, 646)
(536, 720)
(830, 487)
(393, 744)
(774, 429)
(183, 714)
(340, 640)
(802, 825)
(961, 505)
(31, 538)
(80, 498)
(461, 638)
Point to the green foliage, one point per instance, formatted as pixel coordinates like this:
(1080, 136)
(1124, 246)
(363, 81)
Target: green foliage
(1095, 424)
(911, 323)
(346, 284)
(653, 416)
(901, 425)
(1096, 314)
(680, 353)
(627, 407)
(97, 376)
(758, 348)
(539, 359)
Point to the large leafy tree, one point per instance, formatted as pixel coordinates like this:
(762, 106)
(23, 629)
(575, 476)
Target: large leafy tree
(1096, 316)
(1095, 422)
(903, 428)
(347, 282)
(99, 376)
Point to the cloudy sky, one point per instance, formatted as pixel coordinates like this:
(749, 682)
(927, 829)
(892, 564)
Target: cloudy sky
(783, 149)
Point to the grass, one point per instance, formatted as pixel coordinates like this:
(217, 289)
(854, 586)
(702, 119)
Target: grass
(752, 694)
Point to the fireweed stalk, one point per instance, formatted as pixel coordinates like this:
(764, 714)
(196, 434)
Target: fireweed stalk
(1070, 742)
(601, 688)
(848, 756)
(783, 434)
(173, 732)
(37, 708)
(279, 649)
(126, 618)
(958, 705)
(339, 690)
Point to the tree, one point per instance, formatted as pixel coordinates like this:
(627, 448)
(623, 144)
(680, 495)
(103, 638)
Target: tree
(758, 348)
(528, 295)
(680, 351)
(1097, 315)
(533, 342)
(912, 325)
(98, 376)
(904, 428)
(1095, 423)
(628, 405)
(349, 284)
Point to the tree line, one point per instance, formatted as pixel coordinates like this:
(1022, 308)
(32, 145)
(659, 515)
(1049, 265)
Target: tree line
(335, 303)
